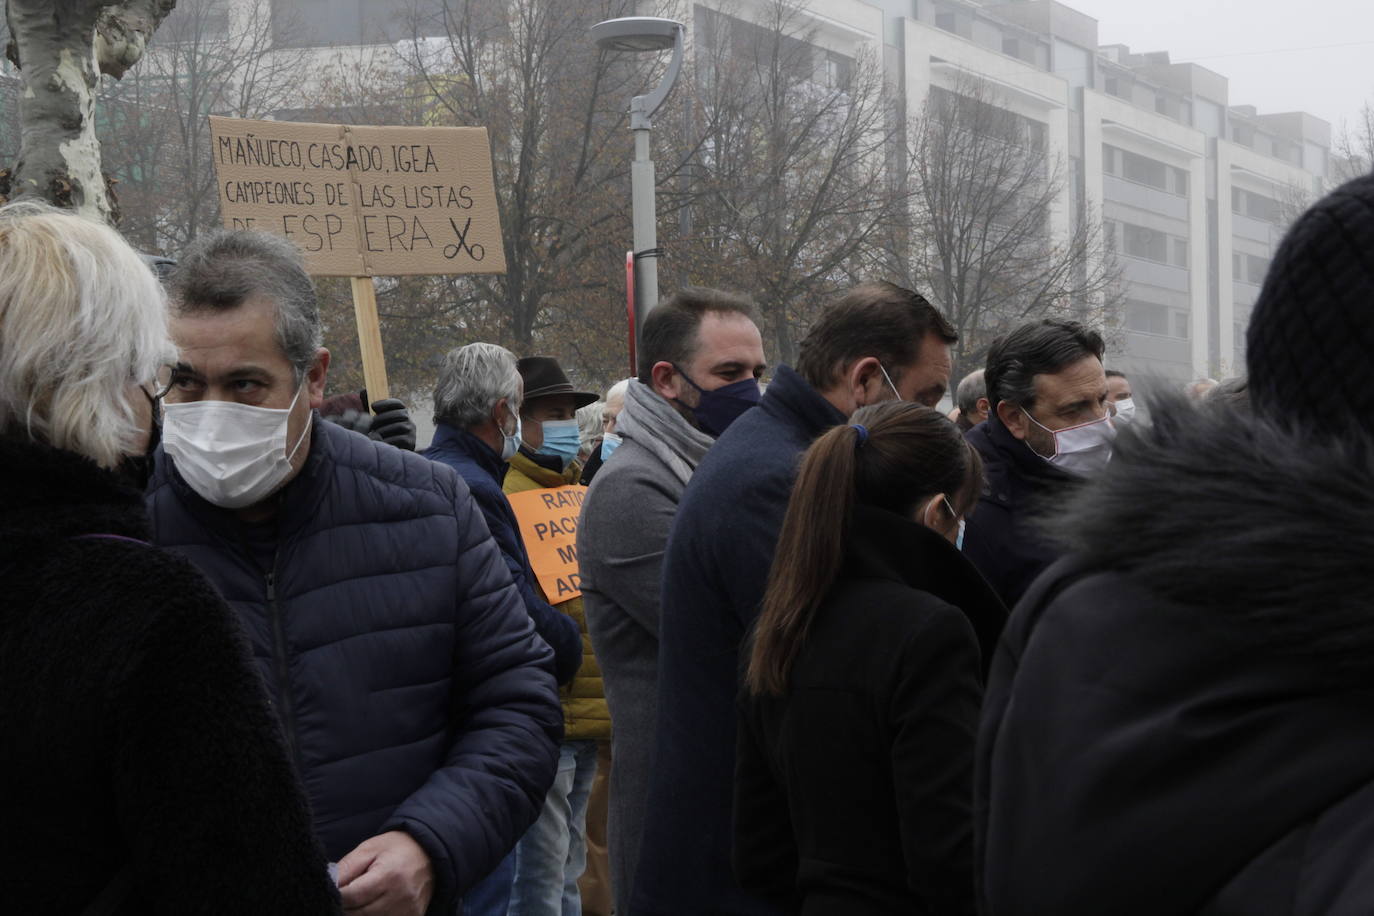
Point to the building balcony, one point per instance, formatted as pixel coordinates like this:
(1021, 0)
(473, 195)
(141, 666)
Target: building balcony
(1256, 230)
(1244, 293)
(1144, 197)
(1153, 273)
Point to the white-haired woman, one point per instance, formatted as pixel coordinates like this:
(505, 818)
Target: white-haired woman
(141, 766)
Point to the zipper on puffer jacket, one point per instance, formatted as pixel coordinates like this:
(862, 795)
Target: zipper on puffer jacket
(280, 658)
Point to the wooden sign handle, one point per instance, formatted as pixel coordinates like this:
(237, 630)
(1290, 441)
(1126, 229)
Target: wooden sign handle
(370, 338)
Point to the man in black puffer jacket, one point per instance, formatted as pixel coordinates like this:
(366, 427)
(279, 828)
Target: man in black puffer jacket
(417, 701)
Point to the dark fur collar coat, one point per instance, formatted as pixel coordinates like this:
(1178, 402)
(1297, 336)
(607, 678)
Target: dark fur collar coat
(133, 729)
(1178, 719)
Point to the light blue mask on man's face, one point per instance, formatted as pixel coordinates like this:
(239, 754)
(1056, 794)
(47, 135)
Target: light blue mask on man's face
(561, 440)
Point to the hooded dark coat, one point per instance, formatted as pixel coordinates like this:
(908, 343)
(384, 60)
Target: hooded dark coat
(134, 731)
(1178, 718)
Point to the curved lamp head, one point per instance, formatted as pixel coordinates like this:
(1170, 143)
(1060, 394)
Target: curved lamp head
(638, 34)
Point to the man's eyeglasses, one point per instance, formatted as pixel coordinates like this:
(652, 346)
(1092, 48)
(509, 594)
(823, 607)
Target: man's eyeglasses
(163, 382)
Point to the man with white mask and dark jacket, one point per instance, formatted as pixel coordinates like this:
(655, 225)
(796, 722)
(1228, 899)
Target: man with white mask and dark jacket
(417, 702)
(1049, 428)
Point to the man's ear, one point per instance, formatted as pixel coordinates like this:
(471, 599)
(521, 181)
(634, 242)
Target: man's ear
(1014, 419)
(665, 381)
(983, 407)
(315, 378)
(500, 411)
(860, 381)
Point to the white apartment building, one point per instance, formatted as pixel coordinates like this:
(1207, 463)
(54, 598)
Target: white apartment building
(1194, 193)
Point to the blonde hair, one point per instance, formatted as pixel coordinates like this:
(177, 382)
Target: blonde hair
(81, 318)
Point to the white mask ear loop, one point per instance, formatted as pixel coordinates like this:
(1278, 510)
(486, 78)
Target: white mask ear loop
(889, 382)
(1053, 437)
(306, 428)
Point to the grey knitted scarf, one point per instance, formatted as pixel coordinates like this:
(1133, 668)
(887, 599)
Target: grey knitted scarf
(653, 423)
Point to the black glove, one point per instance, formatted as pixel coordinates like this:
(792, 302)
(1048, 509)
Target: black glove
(391, 424)
(357, 420)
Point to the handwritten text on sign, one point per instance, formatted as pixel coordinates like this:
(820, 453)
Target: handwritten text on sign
(548, 523)
(364, 201)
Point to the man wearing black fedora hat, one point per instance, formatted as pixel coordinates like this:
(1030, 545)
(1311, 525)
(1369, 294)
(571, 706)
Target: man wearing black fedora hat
(552, 855)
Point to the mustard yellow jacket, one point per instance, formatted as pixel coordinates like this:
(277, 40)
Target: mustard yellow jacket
(585, 714)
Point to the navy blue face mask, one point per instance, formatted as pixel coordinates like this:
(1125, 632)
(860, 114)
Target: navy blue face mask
(720, 407)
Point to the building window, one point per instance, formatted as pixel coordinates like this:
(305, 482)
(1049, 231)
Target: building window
(1256, 269)
(1144, 170)
(946, 21)
(1181, 252)
(1152, 318)
(1112, 87)
(1180, 182)
(1235, 266)
(1256, 206)
(1141, 242)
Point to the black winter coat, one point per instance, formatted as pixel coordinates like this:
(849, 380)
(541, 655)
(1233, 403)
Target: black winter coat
(1004, 539)
(714, 575)
(133, 728)
(1178, 718)
(854, 791)
(415, 694)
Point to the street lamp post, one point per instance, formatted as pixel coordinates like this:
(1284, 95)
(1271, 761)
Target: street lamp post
(639, 34)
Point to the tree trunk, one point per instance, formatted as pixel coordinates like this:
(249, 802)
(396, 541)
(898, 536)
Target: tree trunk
(61, 47)
(59, 156)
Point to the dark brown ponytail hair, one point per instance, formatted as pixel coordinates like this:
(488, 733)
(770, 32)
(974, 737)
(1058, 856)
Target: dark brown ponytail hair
(892, 456)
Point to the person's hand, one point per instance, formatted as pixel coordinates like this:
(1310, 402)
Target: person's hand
(388, 875)
(392, 424)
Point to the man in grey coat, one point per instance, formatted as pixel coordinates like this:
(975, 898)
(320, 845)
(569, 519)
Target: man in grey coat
(700, 358)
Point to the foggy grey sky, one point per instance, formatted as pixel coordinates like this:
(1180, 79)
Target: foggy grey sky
(1332, 82)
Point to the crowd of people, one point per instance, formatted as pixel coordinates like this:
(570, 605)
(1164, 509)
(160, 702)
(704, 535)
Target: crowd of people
(827, 650)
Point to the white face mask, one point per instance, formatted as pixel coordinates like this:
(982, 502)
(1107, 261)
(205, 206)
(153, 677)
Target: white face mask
(1084, 449)
(233, 455)
(1125, 411)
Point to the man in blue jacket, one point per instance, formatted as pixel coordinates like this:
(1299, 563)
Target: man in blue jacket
(877, 343)
(477, 429)
(415, 697)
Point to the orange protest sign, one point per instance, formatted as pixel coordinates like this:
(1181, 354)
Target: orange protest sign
(548, 523)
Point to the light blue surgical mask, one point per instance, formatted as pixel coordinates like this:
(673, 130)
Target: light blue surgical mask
(561, 440)
(959, 538)
(609, 443)
(511, 443)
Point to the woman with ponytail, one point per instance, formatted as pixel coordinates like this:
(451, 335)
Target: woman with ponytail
(860, 708)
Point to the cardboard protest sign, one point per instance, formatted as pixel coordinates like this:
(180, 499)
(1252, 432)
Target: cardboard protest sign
(364, 201)
(548, 523)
